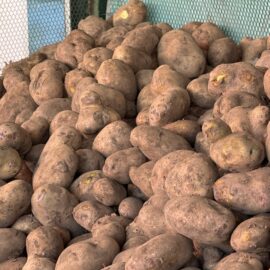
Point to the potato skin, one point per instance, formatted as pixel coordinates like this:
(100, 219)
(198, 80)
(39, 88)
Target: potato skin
(236, 191)
(64, 118)
(112, 138)
(14, 264)
(148, 255)
(87, 255)
(88, 212)
(240, 261)
(156, 142)
(12, 243)
(37, 263)
(144, 77)
(53, 205)
(44, 241)
(26, 223)
(194, 225)
(145, 98)
(225, 152)
(130, 207)
(118, 164)
(170, 52)
(140, 177)
(15, 198)
(252, 235)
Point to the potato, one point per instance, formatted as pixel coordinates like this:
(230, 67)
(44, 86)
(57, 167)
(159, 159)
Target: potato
(108, 192)
(156, 142)
(111, 35)
(93, 26)
(135, 242)
(93, 58)
(193, 174)
(223, 51)
(118, 164)
(236, 191)
(206, 34)
(238, 152)
(250, 120)
(211, 256)
(88, 212)
(47, 81)
(191, 26)
(48, 50)
(148, 255)
(164, 27)
(14, 264)
(263, 61)
(252, 48)
(80, 238)
(37, 263)
(25, 173)
(134, 191)
(72, 78)
(266, 83)
(140, 177)
(123, 256)
(113, 44)
(82, 187)
(52, 205)
(199, 94)
(240, 261)
(234, 99)
(26, 223)
(146, 98)
(143, 117)
(134, 12)
(89, 160)
(12, 135)
(116, 74)
(136, 59)
(15, 199)
(186, 215)
(168, 107)
(88, 255)
(144, 77)
(165, 78)
(144, 38)
(60, 164)
(115, 266)
(236, 77)
(252, 235)
(188, 129)
(64, 118)
(44, 241)
(130, 207)
(72, 49)
(12, 244)
(179, 50)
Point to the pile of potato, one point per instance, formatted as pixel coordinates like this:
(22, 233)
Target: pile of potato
(135, 146)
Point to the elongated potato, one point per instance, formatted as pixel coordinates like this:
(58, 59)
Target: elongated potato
(148, 255)
(240, 191)
(156, 142)
(186, 215)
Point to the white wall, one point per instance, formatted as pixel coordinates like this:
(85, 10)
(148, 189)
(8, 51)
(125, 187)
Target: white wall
(13, 30)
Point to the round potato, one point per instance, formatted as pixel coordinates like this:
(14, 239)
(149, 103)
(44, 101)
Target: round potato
(130, 207)
(26, 223)
(64, 118)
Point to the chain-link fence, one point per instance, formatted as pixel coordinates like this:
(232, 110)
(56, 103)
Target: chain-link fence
(27, 25)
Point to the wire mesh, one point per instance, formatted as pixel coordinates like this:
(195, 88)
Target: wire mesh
(238, 18)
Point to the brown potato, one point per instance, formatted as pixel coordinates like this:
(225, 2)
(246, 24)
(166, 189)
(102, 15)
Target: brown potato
(93, 26)
(116, 74)
(14, 264)
(178, 49)
(37, 263)
(252, 235)
(164, 27)
(223, 51)
(12, 244)
(144, 77)
(118, 164)
(266, 83)
(130, 207)
(64, 118)
(148, 255)
(140, 177)
(26, 223)
(225, 152)
(88, 212)
(135, 242)
(115, 266)
(108, 192)
(82, 187)
(44, 241)
(263, 61)
(80, 238)
(191, 26)
(145, 98)
(156, 142)
(15, 198)
(52, 205)
(236, 191)
(93, 58)
(89, 160)
(131, 14)
(186, 215)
